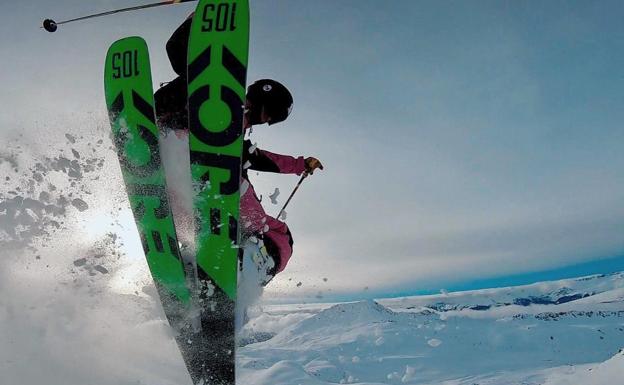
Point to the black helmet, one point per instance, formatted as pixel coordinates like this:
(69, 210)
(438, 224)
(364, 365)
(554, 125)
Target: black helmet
(273, 96)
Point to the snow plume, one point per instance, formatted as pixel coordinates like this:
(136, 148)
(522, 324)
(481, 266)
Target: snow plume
(250, 284)
(38, 194)
(174, 150)
(77, 306)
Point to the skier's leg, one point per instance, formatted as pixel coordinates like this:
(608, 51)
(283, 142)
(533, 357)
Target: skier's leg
(252, 215)
(170, 101)
(274, 233)
(279, 243)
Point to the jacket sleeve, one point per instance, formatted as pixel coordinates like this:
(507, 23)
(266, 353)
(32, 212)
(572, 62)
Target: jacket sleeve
(262, 160)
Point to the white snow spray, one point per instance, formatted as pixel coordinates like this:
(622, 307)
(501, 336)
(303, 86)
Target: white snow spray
(72, 273)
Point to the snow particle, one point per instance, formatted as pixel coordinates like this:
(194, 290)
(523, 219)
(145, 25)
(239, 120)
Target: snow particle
(44, 196)
(80, 204)
(434, 342)
(274, 196)
(409, 374)
(394, 376)
(80, 262)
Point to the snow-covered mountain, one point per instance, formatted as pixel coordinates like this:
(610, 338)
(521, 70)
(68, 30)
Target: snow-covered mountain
(547, 333)
(601, 289)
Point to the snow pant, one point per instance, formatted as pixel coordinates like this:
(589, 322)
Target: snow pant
(275, 233)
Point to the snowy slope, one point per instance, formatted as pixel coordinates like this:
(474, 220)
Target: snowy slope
(492, 336)
(609, 372)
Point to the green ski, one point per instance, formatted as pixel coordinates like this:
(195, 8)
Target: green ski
(216, 74)
(128, 87)
(130, 102)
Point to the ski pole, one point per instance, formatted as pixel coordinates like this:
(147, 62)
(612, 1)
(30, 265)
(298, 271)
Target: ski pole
(51, 25)
(305, 174)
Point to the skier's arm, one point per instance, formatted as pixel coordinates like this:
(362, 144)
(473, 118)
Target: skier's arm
(262, 160)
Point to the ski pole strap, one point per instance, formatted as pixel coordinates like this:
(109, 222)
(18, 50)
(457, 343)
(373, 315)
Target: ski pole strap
(305, 175)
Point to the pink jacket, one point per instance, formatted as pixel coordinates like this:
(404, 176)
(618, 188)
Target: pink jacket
(254, 219)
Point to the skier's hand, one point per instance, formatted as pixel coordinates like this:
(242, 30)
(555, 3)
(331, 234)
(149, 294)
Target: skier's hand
(311, 164)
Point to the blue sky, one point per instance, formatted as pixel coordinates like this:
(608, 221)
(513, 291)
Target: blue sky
(463, 141)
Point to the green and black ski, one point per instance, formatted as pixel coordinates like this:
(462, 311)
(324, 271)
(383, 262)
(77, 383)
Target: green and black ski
(216, 74)
(130, 101)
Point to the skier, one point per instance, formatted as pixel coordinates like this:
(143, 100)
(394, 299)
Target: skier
(267, 101)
